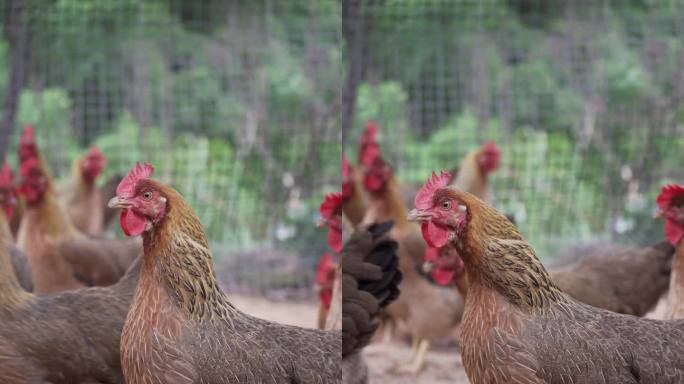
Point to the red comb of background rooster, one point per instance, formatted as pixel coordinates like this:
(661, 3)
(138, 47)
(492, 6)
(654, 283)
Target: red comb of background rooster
(331, 212)
(423, 198)
(369, 148)
(671, 204)
(96, 152)
(27, 135)
(27, 143)
(139, 172)
(6, 175)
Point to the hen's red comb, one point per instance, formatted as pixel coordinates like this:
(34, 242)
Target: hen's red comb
(490, 146)
(368, 146)
(423, 199)
(139, 172)
(28, 165)
(6, 175)
(27, 136)
(667, 194)
(331, 205)
(96, 152)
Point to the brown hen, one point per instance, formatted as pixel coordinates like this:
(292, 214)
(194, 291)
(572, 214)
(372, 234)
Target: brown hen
(181, 327)
(519, 327)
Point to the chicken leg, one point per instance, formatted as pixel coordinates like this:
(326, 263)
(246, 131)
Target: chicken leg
(417, 361)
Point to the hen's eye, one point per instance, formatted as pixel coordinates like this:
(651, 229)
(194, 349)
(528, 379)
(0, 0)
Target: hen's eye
(147, 195)
(446, 205)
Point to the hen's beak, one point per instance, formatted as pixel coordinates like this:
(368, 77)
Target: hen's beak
(119, 202)
(418, 215)
(658, 214)
(428, 266)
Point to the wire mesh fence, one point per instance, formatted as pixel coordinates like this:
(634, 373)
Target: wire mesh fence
(585, 99)
(235, 103)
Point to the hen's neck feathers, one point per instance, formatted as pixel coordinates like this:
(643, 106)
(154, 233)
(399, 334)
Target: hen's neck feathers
(388, 204)
(177, 255)
(498, 257)
(471, 178)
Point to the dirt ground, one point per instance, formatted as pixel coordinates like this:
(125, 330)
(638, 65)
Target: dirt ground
(442, 366)
(299, 314)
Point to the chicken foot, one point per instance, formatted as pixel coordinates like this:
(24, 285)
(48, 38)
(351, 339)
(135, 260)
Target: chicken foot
(417, 361)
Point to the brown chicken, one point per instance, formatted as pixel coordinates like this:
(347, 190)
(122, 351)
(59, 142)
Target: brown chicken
(82, 198)
(370, 282)
(181, 327)
(64, 338)
(429, 311)
(325, 281)
(61, 257)
(671, 205)
(328, 273)
(107, 191)
(8, 202)
(519, 327)
(354, 207)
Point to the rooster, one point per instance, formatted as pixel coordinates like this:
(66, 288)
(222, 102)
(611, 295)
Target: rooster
(82, 199)
(519, 326)
(429, 311)
(61, 257)
(181, 327)
(671, 208)
(370, 282)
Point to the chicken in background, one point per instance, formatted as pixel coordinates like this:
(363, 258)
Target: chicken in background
(429, 311)
(181, 327)
(61, 257)
(354, 207)
(81, 197)
(64, 338)
(370, 281)
(671, 207)
(8, 202)
(325, 280)
(518, 325)
(329, 272)
(107, 191)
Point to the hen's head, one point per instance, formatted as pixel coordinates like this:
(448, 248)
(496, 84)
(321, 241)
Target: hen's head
(325, 276)
(671, 204)
(444, 264)
(488, 157)
(34, 181)
(443, 215)
(8, 197)
(143, 201)
(27, 144)
(331, 215)
(93, 163)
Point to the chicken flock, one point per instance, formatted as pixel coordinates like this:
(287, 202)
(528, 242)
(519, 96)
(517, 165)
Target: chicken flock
(610, 315)
(412, 261)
